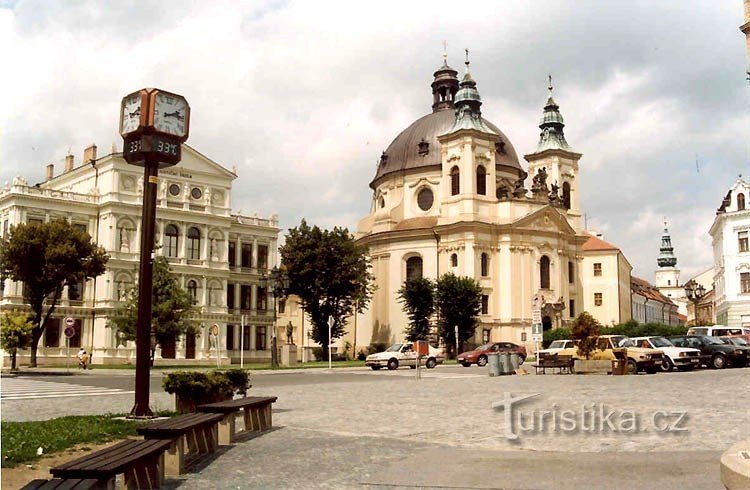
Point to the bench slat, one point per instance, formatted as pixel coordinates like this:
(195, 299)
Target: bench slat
(61, 484)
(111, 461)
(179, 427)
(240, 403)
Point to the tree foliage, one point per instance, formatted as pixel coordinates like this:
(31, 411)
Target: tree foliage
(172, 308)
(418, 299)
(47, 257)
(330, 274)
(15, 333)
(459, 302)
(586, 330)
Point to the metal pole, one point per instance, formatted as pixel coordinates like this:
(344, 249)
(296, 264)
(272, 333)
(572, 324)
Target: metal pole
(455, 330)
(242, 343)
(274, 356)
(330, 324)
(145, 285)
(67, 356)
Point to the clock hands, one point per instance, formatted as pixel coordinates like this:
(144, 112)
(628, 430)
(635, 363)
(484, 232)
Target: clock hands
(175, 114)
(136, 113)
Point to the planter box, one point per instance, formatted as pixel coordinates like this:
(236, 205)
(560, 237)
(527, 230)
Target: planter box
(189, 404)
(592, 366)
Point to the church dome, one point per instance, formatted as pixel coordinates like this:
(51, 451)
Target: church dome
(418, 147)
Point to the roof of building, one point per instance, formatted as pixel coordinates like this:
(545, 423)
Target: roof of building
(417, 223)
(596, 244)
(644, 288)
(417, 146)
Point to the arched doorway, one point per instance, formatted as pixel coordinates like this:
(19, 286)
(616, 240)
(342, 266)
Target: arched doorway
(190, 346)
(546, 323)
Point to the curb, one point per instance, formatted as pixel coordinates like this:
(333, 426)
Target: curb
(735, 466)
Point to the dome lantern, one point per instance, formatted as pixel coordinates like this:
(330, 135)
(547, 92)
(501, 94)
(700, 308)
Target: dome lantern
(444, 86)
(552, 124)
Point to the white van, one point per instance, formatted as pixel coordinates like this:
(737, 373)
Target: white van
(721, 331)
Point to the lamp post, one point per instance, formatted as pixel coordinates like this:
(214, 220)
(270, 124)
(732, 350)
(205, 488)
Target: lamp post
(278, 283)
(153, 125)
(695, 293)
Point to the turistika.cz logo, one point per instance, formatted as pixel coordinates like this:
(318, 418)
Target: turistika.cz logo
(592, 418)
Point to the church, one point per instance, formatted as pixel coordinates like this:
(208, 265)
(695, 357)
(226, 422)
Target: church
(451, 194)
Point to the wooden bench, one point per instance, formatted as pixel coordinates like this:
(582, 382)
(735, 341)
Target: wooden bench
(256, 409)
(192, 435)
(563, 363)
(63, 484)
(141, 462)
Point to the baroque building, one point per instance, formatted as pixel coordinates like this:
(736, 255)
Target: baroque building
(667, 276)
(219, 256)
(730, 233)
(449, 195)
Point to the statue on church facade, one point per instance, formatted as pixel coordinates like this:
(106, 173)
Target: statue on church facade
(539, 182)
(519, 190)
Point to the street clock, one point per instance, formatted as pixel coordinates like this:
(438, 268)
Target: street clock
(154, 123)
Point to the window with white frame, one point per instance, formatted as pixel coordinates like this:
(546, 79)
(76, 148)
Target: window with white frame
(742, 240)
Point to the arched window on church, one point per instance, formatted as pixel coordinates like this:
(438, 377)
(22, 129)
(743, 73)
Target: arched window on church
(740, 201)
(454, 260)
(171, 237)
(455, 181)
(481, 181)
(485, 265)
(192, 289)
(544, 272)
(413, 268)
(566, 195)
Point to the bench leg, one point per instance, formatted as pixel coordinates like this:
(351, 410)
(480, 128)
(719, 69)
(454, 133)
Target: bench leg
(258, 419)
(226, 429)
(174, 460)
(149, 474)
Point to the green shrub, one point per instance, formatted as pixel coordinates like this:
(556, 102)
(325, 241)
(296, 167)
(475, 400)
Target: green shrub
(376, 347)
(198, 387)
(562, 333)
(239, 380)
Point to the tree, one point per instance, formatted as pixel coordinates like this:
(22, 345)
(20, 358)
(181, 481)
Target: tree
(47, 257)
(459, 302)
(15, 333)
(418, 298)
(586, 330)
(172, 309)
(330, 274)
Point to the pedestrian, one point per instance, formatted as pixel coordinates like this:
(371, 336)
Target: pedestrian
(83, 358)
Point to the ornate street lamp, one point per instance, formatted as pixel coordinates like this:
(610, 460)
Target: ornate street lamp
(695, 293)
(278, 284)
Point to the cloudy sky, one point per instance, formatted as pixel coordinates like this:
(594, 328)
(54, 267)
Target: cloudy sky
(304, 96)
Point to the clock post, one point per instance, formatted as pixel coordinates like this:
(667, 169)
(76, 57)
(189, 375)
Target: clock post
(153, 124)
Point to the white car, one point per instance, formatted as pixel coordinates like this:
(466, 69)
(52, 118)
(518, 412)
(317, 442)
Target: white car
(556, 346)
(403, 355)
(683, 358)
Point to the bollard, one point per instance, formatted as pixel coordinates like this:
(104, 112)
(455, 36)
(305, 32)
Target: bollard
(493, 364)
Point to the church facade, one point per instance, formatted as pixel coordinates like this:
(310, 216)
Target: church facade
(450, 195)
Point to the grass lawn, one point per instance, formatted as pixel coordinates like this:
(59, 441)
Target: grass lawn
(20, 440)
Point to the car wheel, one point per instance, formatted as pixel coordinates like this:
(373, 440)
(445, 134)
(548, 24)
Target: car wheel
(667, 365)
(431, 363)
(482, 361)
(374, 368)
(631, 367)
(392, 364)
(466, 364)
(719, 361)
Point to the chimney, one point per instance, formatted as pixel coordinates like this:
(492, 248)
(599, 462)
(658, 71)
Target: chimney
(69, 163)
(50, 171)
(89, 154)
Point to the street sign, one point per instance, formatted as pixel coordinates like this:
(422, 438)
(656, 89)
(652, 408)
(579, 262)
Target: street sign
(537, 337)
(536, 329)
(69, 332)
(536, 316)
(70, 321)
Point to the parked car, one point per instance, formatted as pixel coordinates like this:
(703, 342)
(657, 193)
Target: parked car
(683, 358)
(721, 331)
(403, 355)
(556, 346)
(739, 343)
(479, 355)
(714, 352)
(638, 358)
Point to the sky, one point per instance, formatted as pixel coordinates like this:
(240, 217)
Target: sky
(302, 97)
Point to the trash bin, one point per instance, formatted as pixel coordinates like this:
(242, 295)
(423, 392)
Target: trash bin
(493, 364)
(505, 367)
(619, 367)
(515, 362)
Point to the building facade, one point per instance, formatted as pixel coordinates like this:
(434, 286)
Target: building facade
(449, 195)
(649, 305)
(218, 256)
(730, 233)
(667, 276)
(605, 274)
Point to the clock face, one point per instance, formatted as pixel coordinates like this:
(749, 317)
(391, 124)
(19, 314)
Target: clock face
(131, 114)
(170, 114)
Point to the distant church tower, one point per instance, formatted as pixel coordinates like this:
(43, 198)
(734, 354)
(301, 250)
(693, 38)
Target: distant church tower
(558, 159)
(667, 279)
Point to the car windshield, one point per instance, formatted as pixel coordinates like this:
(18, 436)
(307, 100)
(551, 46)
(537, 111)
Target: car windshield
(622, 342)
(484, 347)
(557, 344)
(394, 348)
(661, 342)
